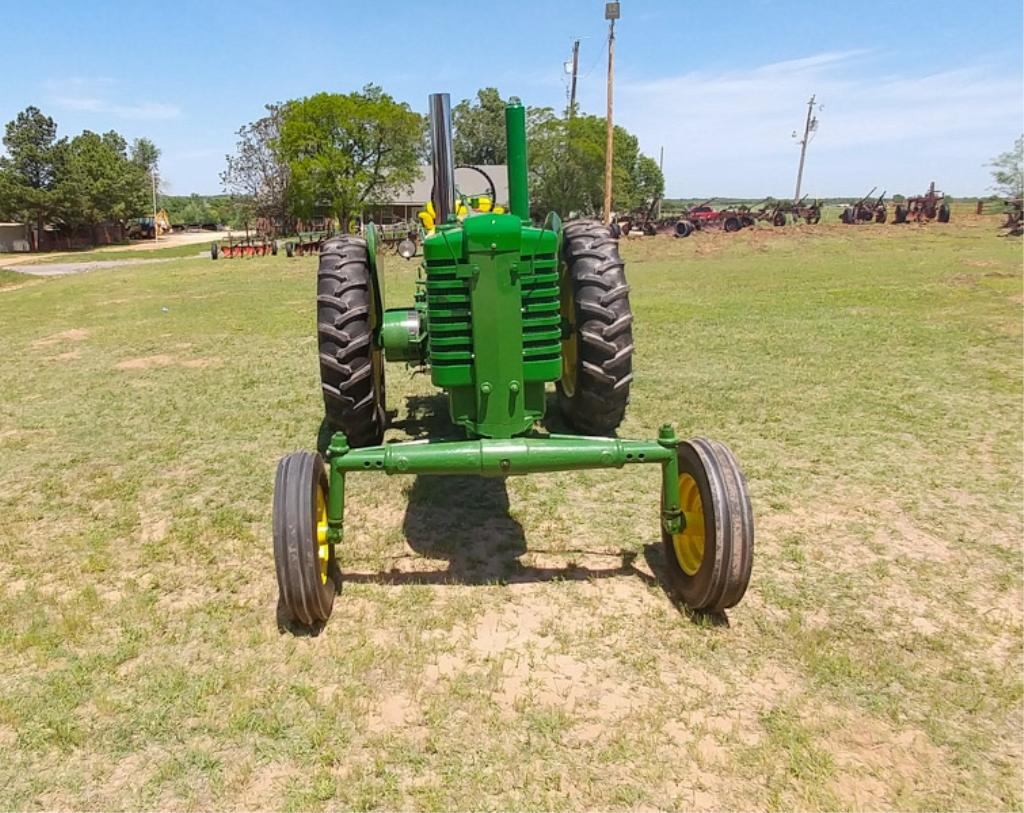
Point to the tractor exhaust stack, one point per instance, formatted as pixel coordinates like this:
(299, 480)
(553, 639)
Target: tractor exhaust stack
(442, 156)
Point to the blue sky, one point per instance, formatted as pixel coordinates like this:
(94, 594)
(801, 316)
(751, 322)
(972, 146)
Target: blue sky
(911, 92)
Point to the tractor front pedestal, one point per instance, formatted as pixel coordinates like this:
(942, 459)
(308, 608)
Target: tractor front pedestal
(706, 520)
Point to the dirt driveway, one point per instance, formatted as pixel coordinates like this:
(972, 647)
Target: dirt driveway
(170, 241)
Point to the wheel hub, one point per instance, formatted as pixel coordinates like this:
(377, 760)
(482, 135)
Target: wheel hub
(689, 543)
(323, 546)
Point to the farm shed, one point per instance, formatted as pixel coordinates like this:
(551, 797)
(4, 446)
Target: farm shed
(14, 237)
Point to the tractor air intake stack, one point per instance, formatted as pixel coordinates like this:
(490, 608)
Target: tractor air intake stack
(515, 134)
(442, 156)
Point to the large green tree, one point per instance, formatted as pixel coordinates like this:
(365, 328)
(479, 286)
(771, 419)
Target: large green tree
(30, 171)
(100, 181)
(567, 163)
(1008, 171)
(348, 151)
(479, 127)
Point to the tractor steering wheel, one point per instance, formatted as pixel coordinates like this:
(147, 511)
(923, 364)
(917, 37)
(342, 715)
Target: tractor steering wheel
(492, 190)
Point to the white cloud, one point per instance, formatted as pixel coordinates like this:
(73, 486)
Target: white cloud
(728, 132)
(94, 95)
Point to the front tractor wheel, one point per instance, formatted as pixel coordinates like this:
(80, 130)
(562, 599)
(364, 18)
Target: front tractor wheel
(597, 348)
(351, 364)
(708, 563)
(307, 572)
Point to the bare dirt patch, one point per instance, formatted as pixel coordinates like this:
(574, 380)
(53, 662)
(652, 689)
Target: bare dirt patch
(164, 360)
(73, 335)
(875, 764)
(71, 355)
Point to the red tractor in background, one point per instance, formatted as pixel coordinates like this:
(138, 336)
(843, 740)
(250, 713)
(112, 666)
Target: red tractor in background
(930, 206)
(703, 217)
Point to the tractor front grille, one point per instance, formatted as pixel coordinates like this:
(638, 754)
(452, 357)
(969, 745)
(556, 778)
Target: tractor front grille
(450, 320)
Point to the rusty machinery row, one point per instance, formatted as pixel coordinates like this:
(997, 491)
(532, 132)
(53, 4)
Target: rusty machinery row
(933, 205)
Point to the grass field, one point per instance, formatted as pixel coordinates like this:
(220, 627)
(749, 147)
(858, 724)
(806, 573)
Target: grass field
(506, 645)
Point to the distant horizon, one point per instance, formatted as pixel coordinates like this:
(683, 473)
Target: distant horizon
(908, 97)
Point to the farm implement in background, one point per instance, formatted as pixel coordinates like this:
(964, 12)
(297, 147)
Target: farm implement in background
(932, 205)
(396, 237)
(304, 243)
(866, 210)
(243, 247)
(810, 213)
(768, 210)
(643, 220)
(779, 213)
(504, 306)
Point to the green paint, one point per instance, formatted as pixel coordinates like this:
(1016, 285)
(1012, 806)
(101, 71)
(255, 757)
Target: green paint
(505, 457)
(486, 320)
(402, 335)
(515, 136)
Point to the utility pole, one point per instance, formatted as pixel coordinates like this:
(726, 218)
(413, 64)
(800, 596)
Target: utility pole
(611, 13)
(156, 229)
(575, 71)
(661, 169)
(809, 127)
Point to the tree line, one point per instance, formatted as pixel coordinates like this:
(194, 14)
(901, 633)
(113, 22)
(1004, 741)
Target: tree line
(339, 154)
(82, 181)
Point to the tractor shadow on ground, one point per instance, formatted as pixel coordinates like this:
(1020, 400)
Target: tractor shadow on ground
(465, 520)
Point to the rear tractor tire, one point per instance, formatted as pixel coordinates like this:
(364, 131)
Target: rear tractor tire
(597, 344)
(943, 216)
(779, 219)
(351, 365)
(308, 576)
(708, 564)
(732, 223)
(881, 215)
(901, 214)
(683, 228)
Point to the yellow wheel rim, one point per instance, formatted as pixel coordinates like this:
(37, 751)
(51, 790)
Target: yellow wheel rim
(570, 352)
(323, 546)
(689, 543)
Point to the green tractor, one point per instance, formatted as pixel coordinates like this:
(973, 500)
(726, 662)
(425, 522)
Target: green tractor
(503, 308)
